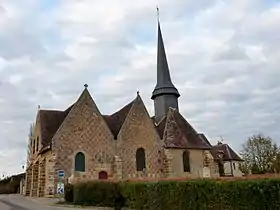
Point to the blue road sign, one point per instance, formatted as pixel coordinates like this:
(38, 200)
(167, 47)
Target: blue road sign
(61, 174)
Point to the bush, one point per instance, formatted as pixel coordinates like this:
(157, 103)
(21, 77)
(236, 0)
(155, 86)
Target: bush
(10, 185)
(201, 194)
(69, 194)
(96, 193)
(181, 195)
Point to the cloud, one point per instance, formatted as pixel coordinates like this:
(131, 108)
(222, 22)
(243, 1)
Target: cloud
(231, 53)
(223, 56)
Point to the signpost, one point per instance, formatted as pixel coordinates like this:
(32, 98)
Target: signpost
(60, 184)
(60, 188)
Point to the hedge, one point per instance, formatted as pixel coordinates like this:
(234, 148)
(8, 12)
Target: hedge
(69, 195)
(181, 195)
(97, 194)
(10, 185)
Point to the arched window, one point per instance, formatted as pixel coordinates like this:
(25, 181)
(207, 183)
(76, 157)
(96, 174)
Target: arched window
(140, 159)
(80, 162)
(186, 161)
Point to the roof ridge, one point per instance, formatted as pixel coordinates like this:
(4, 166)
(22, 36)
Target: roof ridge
(229, 153)
(204, 138)
(187, 137)
(160, 126)
(157, 123)
(50, 110)
(218, 145)
(121, 109)
(184, 119)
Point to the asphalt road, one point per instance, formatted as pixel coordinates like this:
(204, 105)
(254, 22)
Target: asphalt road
(14, 202)
(17, 202)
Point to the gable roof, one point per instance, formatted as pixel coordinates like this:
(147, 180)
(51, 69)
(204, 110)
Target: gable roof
(183, 135)
(203, 137)
(116, 120)
(160, 126)
(50, 120)
(226, 150)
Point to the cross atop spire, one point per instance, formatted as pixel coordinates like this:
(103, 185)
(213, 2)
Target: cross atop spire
(158, 14)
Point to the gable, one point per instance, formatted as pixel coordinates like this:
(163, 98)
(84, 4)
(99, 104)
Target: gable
(226, 150)
(138, 122)
(173, 137)
(83, 118)
(50, 122)
(180, 134)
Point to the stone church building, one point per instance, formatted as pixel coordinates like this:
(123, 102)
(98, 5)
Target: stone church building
(128, 144)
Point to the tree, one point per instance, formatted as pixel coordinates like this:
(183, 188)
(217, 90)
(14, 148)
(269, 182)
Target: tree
(276, 163)
(259, 154)
(244, 168)
(30, 138)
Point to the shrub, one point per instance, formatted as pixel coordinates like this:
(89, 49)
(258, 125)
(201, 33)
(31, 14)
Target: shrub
(96, 193)
(10, 185)
(181, 195)
(201, 194)
(69, 194)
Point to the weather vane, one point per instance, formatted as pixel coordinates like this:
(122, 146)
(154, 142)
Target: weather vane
(221, 138)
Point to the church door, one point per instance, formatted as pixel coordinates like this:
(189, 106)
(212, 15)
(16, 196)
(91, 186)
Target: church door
(103, 175)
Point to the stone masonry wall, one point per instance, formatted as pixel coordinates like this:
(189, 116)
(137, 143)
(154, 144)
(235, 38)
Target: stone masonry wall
(139, 131)
(84, 130)
(32, 158)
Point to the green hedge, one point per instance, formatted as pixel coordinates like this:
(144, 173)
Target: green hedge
(181, 195)
(69, 195)
(10, 185)
(96, 194)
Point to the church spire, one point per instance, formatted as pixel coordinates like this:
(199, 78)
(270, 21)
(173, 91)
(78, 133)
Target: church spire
(165, 94)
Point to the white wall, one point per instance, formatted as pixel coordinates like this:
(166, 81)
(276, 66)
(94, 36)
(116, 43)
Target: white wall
(234, 166)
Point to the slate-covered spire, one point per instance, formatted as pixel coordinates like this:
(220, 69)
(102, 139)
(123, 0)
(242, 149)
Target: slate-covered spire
(164, 83)
(165, 94)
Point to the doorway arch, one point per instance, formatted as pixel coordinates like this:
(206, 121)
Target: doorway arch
(103, 175)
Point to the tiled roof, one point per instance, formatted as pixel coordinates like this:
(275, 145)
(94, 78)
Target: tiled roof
(116, 120)
(160, 127)
(226, 150)
(203, 137)
(180, 134)
(50, 121)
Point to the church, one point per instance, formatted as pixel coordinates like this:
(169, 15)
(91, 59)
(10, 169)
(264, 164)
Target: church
(82, 144)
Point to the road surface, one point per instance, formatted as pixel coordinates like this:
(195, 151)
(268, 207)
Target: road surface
(18, 202)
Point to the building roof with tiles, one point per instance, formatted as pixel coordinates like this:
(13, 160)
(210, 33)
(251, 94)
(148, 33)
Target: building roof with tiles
(227, 152)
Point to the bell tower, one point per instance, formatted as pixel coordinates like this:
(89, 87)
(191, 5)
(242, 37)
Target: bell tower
(165, 94)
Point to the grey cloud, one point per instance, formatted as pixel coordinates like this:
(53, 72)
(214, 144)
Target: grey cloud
(232, 53)
(2, 9)
(18, 43)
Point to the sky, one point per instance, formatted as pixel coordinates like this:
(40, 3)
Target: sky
(223, 56)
